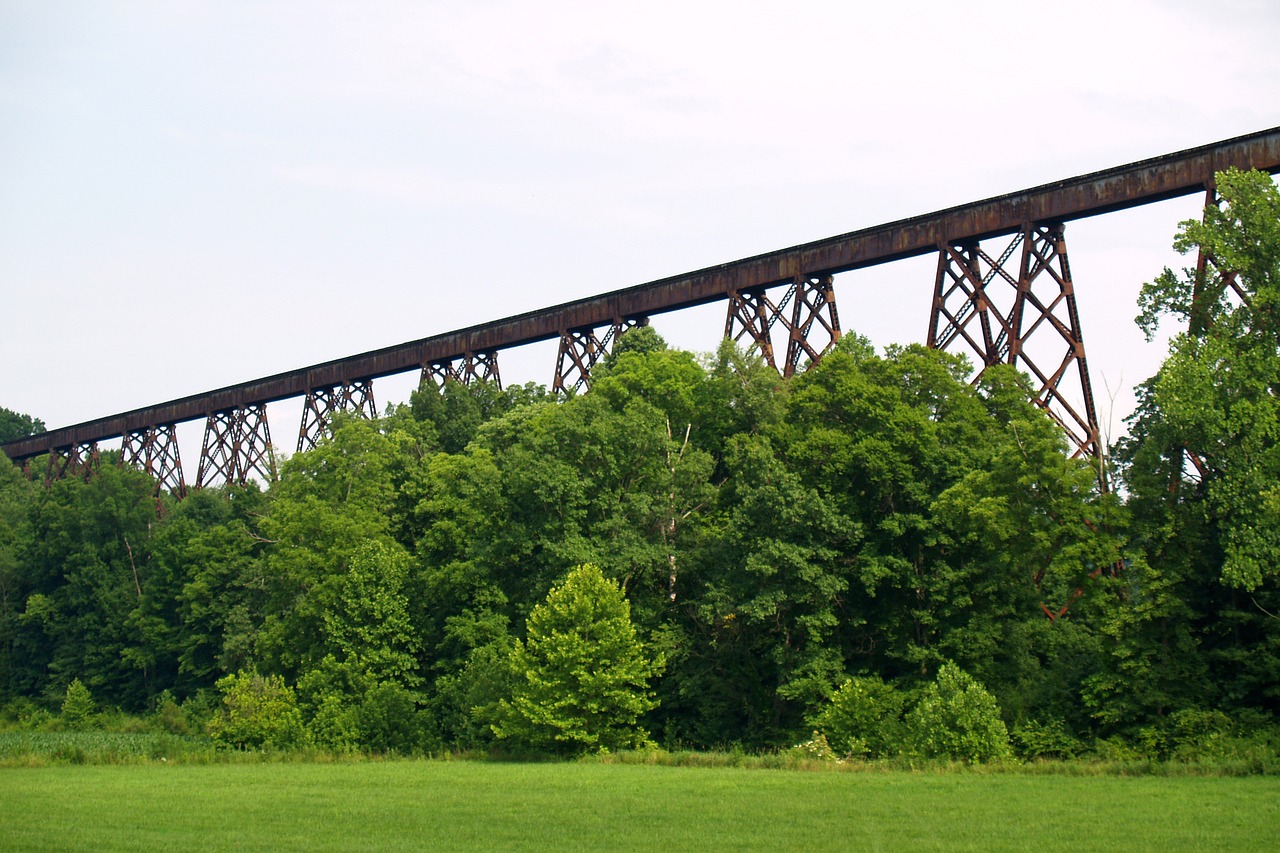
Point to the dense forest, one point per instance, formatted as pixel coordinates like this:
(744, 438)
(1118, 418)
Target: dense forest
(699, 553)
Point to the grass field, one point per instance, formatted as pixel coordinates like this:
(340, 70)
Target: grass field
(489, 805)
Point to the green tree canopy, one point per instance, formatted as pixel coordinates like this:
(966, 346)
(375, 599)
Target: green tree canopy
(14, 426)
(1208, 424)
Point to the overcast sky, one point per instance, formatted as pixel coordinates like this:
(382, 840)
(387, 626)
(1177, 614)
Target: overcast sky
(194, 194)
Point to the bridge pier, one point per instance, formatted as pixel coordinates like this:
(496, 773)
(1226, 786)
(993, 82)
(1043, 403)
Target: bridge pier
(76, 460)
(154, 450)
(468, 368)
(812, 301)
(322, 403)
(237, 443)
(582, 348)
(995, 308)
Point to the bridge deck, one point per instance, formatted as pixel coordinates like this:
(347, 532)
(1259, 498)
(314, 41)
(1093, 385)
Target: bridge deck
(1131, 185)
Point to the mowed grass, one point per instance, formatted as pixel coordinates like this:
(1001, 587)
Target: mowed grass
(495, 806)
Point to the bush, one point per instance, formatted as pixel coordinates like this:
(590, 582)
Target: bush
(864, 717)
(258, 713)
(390, 721)
(466, 702)
(21, 712)
(957, 718)
(168, 715)
(346, 709)
(814, 749)
(1051, 739)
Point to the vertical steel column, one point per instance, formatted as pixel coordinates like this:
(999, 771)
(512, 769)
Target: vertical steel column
(1039, 296)
(322, 403)
(154, 450)
(581, 348)
(237, 443)
(467, 368)
(812, 302)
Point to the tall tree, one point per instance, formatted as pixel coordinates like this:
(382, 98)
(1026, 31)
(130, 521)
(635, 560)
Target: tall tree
(1202, 467)
(581, 677)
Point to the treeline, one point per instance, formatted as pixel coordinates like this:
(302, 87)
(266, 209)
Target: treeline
(876, 535)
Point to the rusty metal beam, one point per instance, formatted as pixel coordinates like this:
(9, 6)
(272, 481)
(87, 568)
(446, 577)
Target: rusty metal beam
(1144, 182)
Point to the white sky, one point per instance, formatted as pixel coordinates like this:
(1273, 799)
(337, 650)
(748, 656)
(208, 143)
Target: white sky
(194, 194)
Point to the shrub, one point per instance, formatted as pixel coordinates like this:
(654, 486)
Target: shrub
(864, 717)
(814, 749)
(258, 712)
(957, 718)
(390, 721)
(1035, 739)
(345, 709)
(168, 715)
(21, 712)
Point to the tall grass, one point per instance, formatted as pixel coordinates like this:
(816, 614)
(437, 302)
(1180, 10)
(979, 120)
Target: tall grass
(38, 749)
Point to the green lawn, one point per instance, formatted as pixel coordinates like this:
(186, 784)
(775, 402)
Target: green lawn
(484, 805)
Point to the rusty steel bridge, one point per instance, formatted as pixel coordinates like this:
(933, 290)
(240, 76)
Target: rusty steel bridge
(1014, 305)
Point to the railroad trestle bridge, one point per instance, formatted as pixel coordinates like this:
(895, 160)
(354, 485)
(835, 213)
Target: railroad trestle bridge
(1015, 305)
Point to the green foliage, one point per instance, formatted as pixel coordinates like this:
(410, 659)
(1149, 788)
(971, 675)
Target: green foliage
(879, 514)
(1193, 624)
(863, 718)
(15, 426)
(346, 708)
(1037, 740)
(40, 748)
(1215, 395)
(78, 706)
(581, 677)
(259, 712)
(956, 718)
(1242, 235)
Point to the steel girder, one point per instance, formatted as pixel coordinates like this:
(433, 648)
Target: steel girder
(322, 403)
(811, 299)
(995, 309)
(582, 348)
(155, 451)
(237, 443)
(467, 368)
